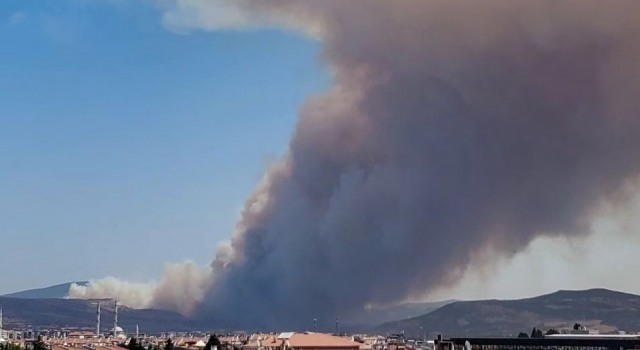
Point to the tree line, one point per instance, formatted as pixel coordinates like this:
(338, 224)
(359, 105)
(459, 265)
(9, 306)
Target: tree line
(537, 333)
(10, 346)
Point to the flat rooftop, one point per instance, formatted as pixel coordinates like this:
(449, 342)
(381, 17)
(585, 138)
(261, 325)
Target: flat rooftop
(583, 341)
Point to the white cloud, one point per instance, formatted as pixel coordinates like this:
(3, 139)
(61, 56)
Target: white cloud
(186, 15)
(17, 18)
(212, 15)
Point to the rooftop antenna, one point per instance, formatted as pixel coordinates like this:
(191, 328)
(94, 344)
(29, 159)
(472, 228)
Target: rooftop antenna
(315, 325)
(98, 321)
(115, 320)
(337, 326)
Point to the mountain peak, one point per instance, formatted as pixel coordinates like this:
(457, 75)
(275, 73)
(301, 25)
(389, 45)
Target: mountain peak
(58, 291)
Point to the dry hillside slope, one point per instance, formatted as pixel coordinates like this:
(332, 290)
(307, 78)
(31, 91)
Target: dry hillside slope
(600, 309)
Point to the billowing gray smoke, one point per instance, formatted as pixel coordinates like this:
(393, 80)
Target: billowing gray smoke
(452, 127)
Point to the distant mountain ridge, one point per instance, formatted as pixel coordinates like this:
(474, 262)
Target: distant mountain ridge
(372, 317)
(59, 291)
(73, 313)
(600, 309)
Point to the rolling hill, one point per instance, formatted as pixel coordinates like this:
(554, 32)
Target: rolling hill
(375, 316)
(370, 318)
(67, 313)
(59, 291)
(600, 309)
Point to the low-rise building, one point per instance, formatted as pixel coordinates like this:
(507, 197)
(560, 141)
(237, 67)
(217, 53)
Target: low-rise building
(81, 334)
(300, 341)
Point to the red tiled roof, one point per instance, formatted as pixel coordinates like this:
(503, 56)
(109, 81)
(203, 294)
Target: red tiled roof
(266, 340)
(320, 340)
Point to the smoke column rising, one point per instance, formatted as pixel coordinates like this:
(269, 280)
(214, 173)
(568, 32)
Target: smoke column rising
(453, 128)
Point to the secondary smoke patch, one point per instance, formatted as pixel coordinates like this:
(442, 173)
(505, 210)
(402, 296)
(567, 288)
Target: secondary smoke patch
(135, 295)
(182, 288)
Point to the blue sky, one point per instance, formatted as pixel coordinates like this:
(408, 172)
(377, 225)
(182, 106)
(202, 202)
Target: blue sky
(124, 145)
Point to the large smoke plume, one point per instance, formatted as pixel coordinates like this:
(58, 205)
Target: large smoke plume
(453, 128)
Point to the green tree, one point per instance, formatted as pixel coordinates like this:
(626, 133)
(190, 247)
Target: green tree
(523, 335)
(213, 341)
(537, 333)
(10, 346)
(577, 326)
(133, 344)
(168, 345)
(39, 344)
(552, 332)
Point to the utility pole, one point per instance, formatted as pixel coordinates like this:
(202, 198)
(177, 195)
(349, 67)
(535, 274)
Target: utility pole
(98, 321)
(115, 321)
